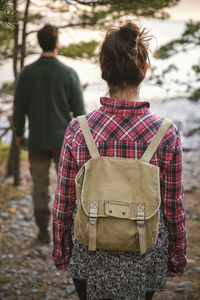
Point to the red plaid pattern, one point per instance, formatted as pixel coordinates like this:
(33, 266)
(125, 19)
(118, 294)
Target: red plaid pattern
(121, 128)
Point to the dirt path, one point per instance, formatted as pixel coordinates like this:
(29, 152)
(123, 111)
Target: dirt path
(26, 267)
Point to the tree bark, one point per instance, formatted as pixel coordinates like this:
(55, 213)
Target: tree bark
(23, 46)
(13, 165)
(14, 161)
(16, 38)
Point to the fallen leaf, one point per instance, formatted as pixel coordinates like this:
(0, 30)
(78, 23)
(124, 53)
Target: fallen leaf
(12, 210)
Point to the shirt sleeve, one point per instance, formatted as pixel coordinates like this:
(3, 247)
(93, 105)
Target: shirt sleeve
(20, 103)
(172, 194)
(64, 205)
(76, 97)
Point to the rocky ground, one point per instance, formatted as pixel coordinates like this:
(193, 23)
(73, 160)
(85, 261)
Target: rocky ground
(26, 268)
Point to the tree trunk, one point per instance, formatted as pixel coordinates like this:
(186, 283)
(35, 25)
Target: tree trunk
(13, 165)
(23, 46)
(16, 43)
(14, 161)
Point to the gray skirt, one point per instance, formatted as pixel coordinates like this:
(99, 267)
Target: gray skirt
(122, 275)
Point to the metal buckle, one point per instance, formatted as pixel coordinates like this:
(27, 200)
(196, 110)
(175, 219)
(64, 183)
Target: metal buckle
(92, 221)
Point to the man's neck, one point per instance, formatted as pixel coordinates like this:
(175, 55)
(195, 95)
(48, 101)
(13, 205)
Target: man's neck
(49, 53)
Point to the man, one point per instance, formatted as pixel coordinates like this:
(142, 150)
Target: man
(47, 92)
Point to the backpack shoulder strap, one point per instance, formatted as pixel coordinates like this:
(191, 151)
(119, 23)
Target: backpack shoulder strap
(151, 149)
(88, 136)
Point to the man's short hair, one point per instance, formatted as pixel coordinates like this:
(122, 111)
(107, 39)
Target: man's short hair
(47, 37)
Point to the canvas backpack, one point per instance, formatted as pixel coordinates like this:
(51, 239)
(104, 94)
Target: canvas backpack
(118, 198)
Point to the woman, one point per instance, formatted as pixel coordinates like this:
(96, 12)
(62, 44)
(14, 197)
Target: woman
(122, 127)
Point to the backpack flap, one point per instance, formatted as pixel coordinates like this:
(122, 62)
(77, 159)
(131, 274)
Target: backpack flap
(117, 186)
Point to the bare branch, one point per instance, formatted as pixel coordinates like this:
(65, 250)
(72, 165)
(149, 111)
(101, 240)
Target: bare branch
(95, 2)
(6, 129)
(65, 26)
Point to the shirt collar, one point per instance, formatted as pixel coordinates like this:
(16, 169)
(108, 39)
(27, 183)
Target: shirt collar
(124, 107)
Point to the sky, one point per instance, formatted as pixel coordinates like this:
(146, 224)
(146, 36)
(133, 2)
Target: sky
(185, 10)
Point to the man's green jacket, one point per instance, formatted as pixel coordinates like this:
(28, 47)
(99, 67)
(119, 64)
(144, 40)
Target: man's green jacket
(48, 92)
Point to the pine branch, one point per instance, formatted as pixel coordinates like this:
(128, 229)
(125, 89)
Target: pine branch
(82, 24)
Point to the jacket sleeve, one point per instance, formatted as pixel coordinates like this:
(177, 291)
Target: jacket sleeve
(76, 96)
(20, 103)
(64, 205)
(172, 194)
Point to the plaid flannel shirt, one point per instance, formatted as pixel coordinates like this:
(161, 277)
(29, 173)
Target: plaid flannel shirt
(121, 128)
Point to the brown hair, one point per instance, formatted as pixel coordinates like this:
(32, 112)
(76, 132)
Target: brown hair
(47, 37)
(123, 56)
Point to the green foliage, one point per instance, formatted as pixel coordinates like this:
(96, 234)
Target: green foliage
(196, 69)
(32, 18)
(191, 36)
(83, 50)
(195, 95)
(8, 87)
(170, 68)
(146, 8)
(192, 33)
(165, 51)
(7, 36)
(97, 17)
(6, 12)
(5, 150)
(6, 41)
(159, 81)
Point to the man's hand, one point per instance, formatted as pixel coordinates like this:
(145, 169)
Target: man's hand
(21, 141)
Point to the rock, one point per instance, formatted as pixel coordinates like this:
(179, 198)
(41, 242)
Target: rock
(43, 249)
(70, 289)
(5, 287)
(194, 217)
(34, 274)
(169, 286)
(191, 261)
(197, 269)
(25, 224)
(185, 285)
(70, 280)
(189, 209)
(18, 292)
(19, 216)
(12, 271)
(190, 189)
(4, 214)
(33, 290)
(8, 181)
(24, 272)
(193, 131)
(32, 266)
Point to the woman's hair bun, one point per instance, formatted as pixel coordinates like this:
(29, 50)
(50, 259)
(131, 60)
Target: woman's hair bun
(129, 32)
(123, 55)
